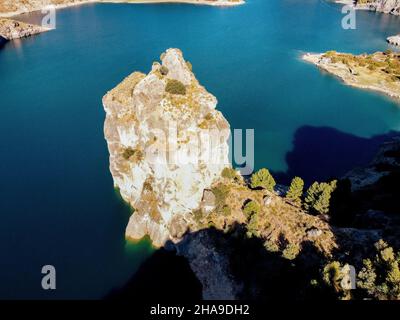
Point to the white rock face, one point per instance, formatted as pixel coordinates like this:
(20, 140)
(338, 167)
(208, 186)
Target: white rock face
(394, 40)
(385, 6)
(161, 158)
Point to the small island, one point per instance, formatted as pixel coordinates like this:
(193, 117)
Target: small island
(379, 71)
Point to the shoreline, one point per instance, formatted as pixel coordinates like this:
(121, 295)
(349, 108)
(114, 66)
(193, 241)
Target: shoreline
(224, 3)
(13, 29)
(348, 76)
(366, 7)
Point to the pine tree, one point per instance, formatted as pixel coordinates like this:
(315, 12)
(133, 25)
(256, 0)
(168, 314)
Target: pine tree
(311, 196)
(295, 191)
(263, 178)
(251, 208)
(318, 197)
(321, 205)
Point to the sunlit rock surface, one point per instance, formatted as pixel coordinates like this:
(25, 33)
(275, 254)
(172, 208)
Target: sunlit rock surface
(165, 149)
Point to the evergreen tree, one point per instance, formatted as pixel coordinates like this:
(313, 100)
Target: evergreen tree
(251, 208)
(380, 276)
(311, 196)
(295, 191)
(321, 205)
(263, 178)
(318, 197)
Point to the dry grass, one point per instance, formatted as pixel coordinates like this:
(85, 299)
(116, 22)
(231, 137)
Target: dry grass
(276, 221)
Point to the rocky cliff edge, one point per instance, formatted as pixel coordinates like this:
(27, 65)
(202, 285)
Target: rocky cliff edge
(167, 144)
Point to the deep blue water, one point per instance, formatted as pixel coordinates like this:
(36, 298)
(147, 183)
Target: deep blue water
(57, 202)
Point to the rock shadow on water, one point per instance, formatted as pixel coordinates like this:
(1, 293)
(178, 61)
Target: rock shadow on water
(162, 277)
(322, 153)
(3, 41)
(231, 265)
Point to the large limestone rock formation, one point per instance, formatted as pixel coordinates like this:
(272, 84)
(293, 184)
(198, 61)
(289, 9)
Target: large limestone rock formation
(160, 156)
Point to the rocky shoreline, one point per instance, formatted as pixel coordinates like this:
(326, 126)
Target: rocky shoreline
(11, 29)
(366, 74)
(382, 6)
(209, 214)
(20, 7)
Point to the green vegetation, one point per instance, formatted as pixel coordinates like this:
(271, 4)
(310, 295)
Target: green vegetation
(251, 208)
(220, 192)
(291, 251)
(128, 152)
(175, 87)
(198, 215)
(332, 275)
(380, 277)
(318, 197)
(253, 229)
(271, 246)
(135, 155)
(189, 65)
(295, 191)
(164, 70)
(263, 179)
(386, 64)
(229, 173)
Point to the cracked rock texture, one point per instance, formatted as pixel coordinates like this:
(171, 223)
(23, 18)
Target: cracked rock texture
(159, 158)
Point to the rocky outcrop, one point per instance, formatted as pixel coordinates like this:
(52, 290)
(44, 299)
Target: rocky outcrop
(386, 161)
(384, 6)
(13, 7)
(379, 71)
(394, 40)
(167, 144)
(11, 29)
(210, 262)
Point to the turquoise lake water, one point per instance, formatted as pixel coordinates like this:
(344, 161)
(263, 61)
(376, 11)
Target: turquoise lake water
(57, 202)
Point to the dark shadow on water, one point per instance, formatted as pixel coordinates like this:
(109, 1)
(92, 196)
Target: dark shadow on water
(322, 153)
(260, 274)
(163, 277)
(2, 42)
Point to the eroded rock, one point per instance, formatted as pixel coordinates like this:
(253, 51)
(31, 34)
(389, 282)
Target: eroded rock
(160, 158)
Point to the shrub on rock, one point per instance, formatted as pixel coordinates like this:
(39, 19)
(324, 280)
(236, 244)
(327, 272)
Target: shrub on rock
(263, 178)
(175, 87)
